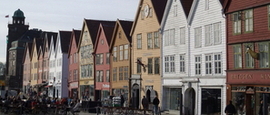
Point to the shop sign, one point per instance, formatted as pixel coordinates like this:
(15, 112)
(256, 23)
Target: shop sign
(242, 76)
(105, 86)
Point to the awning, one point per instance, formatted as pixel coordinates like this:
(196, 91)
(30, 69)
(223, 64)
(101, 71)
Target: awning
(48, 85)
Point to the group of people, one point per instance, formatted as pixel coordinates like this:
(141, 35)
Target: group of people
(145, 104)
(38, 104)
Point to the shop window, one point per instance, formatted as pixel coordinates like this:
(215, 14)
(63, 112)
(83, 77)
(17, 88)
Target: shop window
(211, 101)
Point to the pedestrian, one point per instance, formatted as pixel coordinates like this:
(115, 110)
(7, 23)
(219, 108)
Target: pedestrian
(122, 100)
(145, 104)
(230, 109)
(156, 103)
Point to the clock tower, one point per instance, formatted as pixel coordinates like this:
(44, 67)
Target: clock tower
(16, 29)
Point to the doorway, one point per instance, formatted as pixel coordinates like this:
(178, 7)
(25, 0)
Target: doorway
(135, 96)
(189, 103)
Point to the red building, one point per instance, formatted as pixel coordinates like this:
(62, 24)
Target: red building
(102, 63)
(73, 56)
(248, 41)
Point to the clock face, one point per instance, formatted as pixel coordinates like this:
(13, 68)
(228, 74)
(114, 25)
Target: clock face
(146, 10)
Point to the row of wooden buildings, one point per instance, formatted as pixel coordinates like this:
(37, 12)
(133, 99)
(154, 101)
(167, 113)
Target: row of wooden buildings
(194, 55)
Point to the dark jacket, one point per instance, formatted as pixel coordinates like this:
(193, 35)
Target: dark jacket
(230, 109)
(145, 102)
(156, 101)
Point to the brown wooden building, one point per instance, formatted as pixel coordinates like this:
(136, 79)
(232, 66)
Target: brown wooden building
(248, 41)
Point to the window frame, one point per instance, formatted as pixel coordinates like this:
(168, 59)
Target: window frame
(198, 64)
(217, 63)
(182, 35)
(248, 22)
(238, 64)
(182, 63)
(198, 37)
(208, 64)
(139, 41)
(249, 61)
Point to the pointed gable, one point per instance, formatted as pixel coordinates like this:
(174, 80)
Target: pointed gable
(107, 28)
(65, 40)
(158, 10)
(123, 25)
(75, 35)
(27, 51)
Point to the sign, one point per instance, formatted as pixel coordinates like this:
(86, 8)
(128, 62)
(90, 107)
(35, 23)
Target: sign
(105, 86)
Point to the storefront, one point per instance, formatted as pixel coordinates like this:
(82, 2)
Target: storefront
(248, 90)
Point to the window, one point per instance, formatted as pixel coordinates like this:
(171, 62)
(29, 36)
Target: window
(107, 76)
(198, 37)
(208, 35)
(99, 76)
(175, 10)
(99, 59)
(115, 53)
(139, 41)
(156, 40)
(172, 36)
(236, 22)
(206, 5)
(169, 64)
(120, 73)
(217, 62)
(121, 52)
(86, 70)
(119, 34)
(115, 74)
(182, 63)
(249, 20)
(107, 58)
(249, 61)
(166, 37)
(126, 73)
(217, 33)
(197, 65)
(208, 64)
(139, 68)
(182, 35)
(126, 52)
(150, 66)
(237, 56)
(157, 65)
(149, 41)
(75, 72)
(264, 54)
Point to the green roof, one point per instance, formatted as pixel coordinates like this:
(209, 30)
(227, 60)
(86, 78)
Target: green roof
(18, 14)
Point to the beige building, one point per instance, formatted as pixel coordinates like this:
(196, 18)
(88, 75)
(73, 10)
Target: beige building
(120, 59)
(34, 65)
(146, 48)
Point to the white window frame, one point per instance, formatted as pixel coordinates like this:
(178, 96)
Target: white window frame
(182, 63)
(237, 56)
(175, 10)
(207, 34)
(249, 61)
(217, 33)
(217, 63)
(264, 54)
(182, 35)
(206, 5)
(166, 37)
(198, 37)
(172, 36)
(249, 20)
(236, 17)
(198, 64)
(121, 52)
(208, 64)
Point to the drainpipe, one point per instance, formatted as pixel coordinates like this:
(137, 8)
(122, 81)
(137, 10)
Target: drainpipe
(161, 65)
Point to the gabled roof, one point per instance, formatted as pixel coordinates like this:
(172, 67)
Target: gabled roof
(107, 28)
(125, 26)
(36, 44)
(28, 47)
(158, 8)
(48, 37)
(76, 36)
(65, 40)
(185, 6)
(93, 26)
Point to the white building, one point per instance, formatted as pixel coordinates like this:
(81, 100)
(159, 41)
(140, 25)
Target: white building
(194, 57)
(58, 75)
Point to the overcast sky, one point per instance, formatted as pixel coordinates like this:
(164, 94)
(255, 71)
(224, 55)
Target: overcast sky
(55, 15)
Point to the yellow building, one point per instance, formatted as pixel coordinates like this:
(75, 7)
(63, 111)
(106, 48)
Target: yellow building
(146, 48)
(34, 65)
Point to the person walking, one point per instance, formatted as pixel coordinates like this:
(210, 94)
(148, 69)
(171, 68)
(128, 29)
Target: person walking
(230, 109)
(145, 104)
(156, 103)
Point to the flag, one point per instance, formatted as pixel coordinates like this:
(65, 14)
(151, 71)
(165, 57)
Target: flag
(6, 16)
